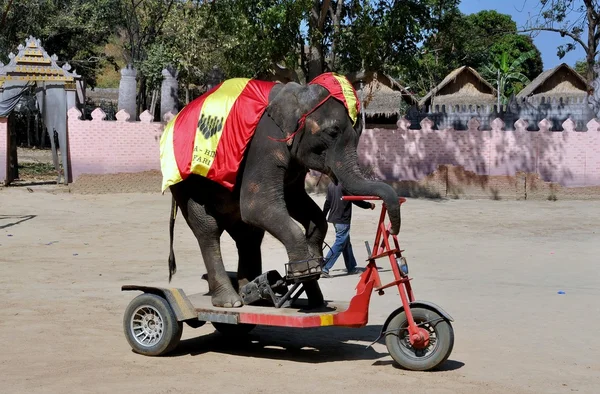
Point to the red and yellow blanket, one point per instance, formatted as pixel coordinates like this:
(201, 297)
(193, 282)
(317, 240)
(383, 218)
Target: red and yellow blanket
(210, 135)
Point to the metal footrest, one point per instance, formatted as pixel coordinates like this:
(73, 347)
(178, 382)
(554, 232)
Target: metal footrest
(270, 288)
(304, 270)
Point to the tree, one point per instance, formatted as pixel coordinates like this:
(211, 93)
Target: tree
(514, 45)
(507, 75)
(382, 35)
(472, 40)
(578, 20)
(75, 30)
(143, 22)
(259, 34)
(581, 67)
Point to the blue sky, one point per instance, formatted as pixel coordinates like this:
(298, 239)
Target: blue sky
(521, 11)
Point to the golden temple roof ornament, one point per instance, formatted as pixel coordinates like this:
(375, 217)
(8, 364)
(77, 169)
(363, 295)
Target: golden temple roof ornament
(32, 63)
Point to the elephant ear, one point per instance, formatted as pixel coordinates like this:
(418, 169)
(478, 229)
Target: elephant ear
(293, 101)
(359, 125)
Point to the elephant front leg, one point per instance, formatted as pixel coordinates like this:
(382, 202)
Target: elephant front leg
(305, 211)
(267, 211)
(264, 207)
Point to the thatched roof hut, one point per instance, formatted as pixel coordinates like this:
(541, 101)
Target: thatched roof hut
(463, 86)
(383, 96)
(560, 81)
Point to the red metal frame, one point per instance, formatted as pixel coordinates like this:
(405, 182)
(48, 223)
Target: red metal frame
(419, 337)
(357, 314)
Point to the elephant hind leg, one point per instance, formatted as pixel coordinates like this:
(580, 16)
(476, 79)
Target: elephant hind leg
(207, 231)
(248, 240)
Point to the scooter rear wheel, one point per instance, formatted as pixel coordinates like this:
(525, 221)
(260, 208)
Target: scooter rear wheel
(441, 340)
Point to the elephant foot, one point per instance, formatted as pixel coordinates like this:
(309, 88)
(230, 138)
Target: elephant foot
(226, 298)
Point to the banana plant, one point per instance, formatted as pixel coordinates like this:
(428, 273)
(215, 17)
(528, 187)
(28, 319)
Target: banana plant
(505, 74)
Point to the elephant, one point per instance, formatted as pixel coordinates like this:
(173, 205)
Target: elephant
(269, 193)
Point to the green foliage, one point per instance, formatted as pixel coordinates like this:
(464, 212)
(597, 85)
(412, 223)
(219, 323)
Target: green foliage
(259, 33)
(32, 170)
(507, 77)
(514, 45)
(74, 30)
(472, 40)
(143, 22)
(581, 67)
(194, 44)
(158, 56)
(381, 35)
(22, 18)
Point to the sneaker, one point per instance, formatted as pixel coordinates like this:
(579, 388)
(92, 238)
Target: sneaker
(325, 274)
(355, 271)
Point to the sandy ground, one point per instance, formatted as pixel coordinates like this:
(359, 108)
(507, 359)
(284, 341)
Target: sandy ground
(495, 266)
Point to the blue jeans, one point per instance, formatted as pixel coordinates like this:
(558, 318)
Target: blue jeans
(341, 245)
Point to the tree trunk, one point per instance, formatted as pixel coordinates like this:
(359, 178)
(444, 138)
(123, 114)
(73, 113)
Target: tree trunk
(315, 60)
(29, 130)
(336, 19)
(590, 57)
(316, 23)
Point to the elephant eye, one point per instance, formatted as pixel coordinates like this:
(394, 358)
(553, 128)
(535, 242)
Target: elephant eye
(332, 131)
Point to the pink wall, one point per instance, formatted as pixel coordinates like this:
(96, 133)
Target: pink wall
(107, 147)
(3, 147)
(569, 158)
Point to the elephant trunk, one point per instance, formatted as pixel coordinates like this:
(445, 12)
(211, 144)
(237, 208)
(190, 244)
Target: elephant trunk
(348, 173)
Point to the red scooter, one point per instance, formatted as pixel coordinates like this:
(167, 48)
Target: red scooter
(418, 334)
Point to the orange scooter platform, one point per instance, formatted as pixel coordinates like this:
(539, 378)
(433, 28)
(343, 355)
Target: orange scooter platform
(334, 313)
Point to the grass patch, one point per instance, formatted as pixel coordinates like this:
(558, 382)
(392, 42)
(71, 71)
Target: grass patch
(36, 169)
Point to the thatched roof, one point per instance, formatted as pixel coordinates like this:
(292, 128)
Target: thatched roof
(558, 80)
(484, 88)
(381, 93)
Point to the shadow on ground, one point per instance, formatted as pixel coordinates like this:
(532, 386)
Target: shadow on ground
(307, 345)
(12, 220)
(448, 365)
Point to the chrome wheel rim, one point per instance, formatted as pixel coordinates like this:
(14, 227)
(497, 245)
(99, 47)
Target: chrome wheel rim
(147, 326)
(414, 353)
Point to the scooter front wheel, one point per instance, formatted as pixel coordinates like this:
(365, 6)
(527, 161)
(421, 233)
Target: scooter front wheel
(423, 358)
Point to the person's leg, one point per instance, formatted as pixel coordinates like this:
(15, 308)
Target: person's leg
(349, 258)
(348, 254)
(341, 234)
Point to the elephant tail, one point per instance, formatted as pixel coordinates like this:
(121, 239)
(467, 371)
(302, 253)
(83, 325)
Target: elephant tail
(172, 265)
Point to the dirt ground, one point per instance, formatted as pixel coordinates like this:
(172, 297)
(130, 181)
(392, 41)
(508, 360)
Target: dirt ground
(495, 266)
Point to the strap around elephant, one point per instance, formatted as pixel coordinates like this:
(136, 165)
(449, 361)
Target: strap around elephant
(301, 121)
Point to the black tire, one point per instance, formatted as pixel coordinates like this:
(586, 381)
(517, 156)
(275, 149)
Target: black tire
(234, 330)
(439, 349)
(145, 315)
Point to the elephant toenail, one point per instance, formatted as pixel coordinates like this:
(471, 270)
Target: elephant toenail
(237, 304)
(227, 305)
